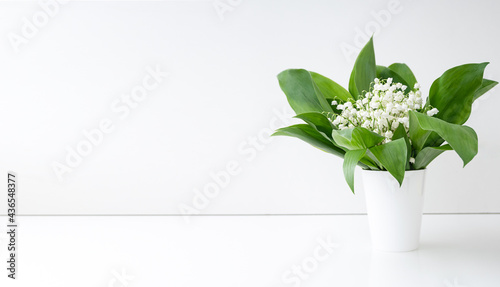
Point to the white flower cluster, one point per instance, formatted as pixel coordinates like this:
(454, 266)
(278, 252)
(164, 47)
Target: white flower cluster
(382, 109)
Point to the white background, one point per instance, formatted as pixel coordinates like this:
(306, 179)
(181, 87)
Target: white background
(247, 251)
(221, 92)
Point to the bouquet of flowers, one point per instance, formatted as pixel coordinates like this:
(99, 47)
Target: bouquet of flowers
(382, 122)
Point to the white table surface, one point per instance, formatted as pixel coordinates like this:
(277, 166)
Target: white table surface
(456, 250)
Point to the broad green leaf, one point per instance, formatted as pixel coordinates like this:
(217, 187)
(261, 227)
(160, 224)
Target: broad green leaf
(428, 154)
(400, 132)
(352, 86)
(351, 159)
(356, 138)
(462, 139)
(392, 156)
(368, 163)
(385, 73)
(302, 93)
(404, 71)
(311, 136)
(375, 164)
(453, 93)
(418, 136)
(364, 71)
(329, 88)
(486, 85)
(319, 122)
(421, 138)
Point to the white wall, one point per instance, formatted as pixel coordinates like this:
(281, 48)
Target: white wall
(220, 93)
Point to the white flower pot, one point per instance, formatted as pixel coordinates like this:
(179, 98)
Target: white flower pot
(394, 212)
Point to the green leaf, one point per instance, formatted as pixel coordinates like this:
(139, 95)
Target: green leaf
(453, 93)
(486, 85)
(400, 132)
(462, 139)
(374, 163)
(428, 154)
(384, 73)
(356, 138)
(418, 136)
(302, 93)
(351, 159)
(329, 88)
(319, 122)
(352, 86)
(404, 71)
(392, 156)
(364, 71)
(311, 136)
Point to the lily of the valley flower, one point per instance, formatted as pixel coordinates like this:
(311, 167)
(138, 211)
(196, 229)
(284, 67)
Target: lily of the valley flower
(382, 109)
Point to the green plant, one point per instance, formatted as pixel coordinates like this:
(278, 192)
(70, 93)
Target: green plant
(381, 122)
